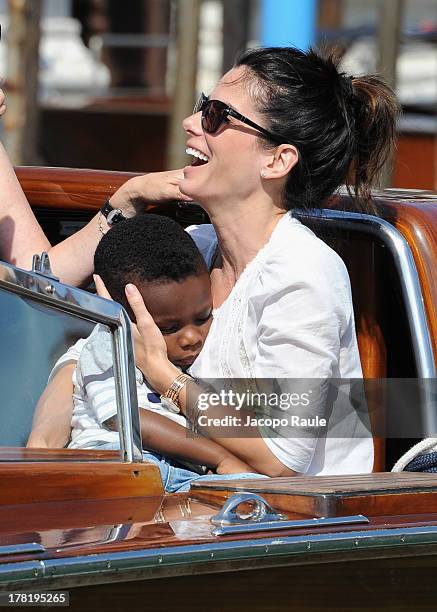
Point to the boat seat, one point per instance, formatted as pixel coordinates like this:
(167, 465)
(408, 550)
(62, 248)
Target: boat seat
(383, 330)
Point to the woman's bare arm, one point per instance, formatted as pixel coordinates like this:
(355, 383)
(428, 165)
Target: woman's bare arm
(51, 425)
(72, 259)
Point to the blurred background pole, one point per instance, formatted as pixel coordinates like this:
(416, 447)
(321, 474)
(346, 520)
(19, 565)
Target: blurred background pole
(184, 95)
(390, 24)
(288, 22)
(21, 120)
(236, 17)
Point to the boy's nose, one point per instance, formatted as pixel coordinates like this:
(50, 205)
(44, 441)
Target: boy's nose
(191, 338)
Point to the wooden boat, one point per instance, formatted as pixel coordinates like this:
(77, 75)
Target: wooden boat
(97, 523)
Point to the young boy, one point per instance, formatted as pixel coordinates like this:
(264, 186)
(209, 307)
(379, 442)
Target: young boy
(161, 259)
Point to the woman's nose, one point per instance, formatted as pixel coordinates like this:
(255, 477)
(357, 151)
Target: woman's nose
(192, 124)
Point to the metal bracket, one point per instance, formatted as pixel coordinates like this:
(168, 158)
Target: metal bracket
(263, 517)
(41, 266)
(261, 511)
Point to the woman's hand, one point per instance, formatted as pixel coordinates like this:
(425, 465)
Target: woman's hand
(151, 188)
(2, 102)
(149, 344)
(152, 360)
(140, 355)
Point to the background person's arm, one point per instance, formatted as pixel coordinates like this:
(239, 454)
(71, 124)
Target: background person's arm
(20, 234)
(51, 425)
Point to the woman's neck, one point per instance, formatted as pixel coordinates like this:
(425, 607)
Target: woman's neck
(241, 233)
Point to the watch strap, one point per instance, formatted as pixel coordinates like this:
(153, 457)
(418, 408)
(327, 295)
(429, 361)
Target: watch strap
(112, 215)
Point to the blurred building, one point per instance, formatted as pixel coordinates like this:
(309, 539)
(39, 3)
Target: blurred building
(107, 74)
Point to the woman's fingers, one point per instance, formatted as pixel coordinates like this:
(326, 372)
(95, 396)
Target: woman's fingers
(152, 188)
(101, 287)
(161, 186)
(149, 331)
(142, 315)
(151, 352)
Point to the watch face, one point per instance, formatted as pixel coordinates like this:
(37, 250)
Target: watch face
(114, 216)
(169, 405)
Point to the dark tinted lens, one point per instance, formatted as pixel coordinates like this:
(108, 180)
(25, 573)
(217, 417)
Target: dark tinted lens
(213, 115)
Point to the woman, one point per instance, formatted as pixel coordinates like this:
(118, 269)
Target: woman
(282, 130)
(282, 297)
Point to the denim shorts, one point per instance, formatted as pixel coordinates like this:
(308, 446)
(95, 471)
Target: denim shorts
(175, 478)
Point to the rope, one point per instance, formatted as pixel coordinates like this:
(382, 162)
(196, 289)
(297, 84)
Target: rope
(423, 463)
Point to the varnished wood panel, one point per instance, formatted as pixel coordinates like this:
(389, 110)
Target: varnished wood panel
(60, 481)
(368, 494)
(75, 189)
(73, 514)
(361, 258)
(416, 162)
(347, 483)
(69, 188)
(55, 454)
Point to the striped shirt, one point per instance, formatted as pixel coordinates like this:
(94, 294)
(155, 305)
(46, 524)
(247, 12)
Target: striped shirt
(94, 398)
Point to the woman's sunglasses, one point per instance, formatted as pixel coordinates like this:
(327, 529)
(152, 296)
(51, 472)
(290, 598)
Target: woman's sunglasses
(216, 113)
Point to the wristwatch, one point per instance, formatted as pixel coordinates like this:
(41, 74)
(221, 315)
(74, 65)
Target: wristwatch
(170, 399)
(112, 215)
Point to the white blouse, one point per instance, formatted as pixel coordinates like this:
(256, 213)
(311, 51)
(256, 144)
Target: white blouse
(290, 316)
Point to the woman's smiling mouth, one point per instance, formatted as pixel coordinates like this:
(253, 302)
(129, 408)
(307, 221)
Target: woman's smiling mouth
(199, 158)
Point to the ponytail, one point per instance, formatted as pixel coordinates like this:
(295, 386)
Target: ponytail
(343, 127)
(375, 109)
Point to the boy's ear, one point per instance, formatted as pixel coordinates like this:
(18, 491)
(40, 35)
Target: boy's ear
(280, 161)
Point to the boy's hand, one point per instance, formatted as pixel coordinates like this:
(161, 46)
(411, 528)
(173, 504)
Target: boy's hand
(152, 188)
(232, 465)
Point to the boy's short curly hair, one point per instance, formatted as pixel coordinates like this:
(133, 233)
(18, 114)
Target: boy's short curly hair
(143, 249)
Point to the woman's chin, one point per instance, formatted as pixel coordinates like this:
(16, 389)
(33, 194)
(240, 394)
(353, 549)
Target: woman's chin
(187, 188)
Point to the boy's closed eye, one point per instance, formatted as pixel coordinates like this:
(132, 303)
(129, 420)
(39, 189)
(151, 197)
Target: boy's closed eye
(172, 329)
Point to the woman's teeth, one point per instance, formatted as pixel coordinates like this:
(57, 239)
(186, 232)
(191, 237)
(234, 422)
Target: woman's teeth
(197, 154)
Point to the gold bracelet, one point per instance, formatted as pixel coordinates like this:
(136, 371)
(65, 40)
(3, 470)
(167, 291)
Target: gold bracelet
(100, 225)
(170, 399)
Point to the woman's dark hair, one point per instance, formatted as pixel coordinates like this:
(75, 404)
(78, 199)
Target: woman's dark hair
(343, 127)
(146, 248)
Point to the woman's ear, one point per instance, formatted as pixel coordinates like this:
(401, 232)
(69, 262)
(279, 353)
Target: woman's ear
(279, 163)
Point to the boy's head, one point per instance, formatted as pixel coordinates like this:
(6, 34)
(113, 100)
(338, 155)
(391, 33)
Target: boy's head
(161, 259)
